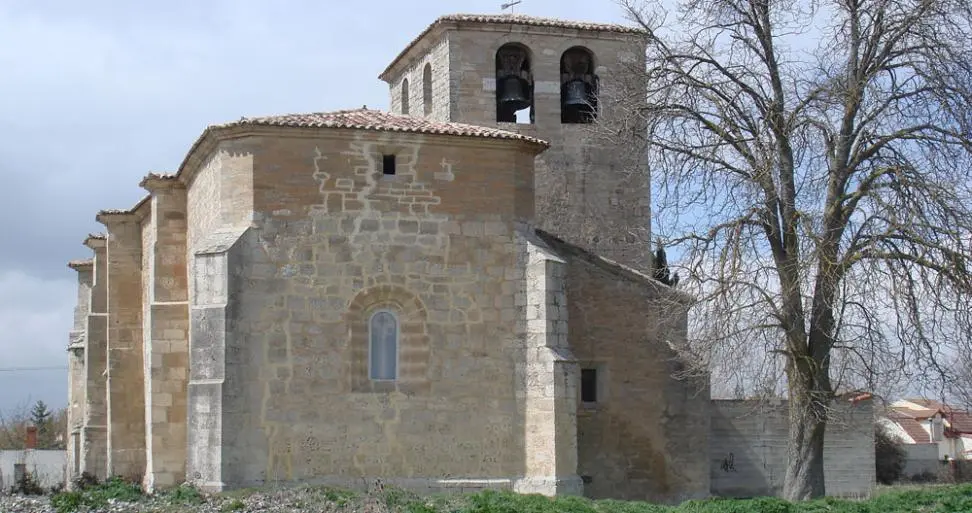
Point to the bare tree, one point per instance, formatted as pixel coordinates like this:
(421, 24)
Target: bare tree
(812, 162)
(13, 427)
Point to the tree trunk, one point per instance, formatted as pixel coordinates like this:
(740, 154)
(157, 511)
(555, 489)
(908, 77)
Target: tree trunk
(804, 478)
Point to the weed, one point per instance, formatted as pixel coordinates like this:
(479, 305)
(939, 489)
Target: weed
(233, 505)
(184, 494)
(97, 496)
(27, 484)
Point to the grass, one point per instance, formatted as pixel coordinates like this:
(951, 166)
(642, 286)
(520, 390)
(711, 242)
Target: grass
(926, 499)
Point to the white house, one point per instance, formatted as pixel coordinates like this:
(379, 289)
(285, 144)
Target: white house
(924, 421)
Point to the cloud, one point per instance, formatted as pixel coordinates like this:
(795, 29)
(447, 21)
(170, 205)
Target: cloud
(36, 315)
(98, 93)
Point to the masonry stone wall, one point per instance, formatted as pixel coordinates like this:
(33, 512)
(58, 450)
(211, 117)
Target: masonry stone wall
(94, 436)
(645, 436)
(592, 190)
(166, 333)
(438, 61)
(748, 449)
(76, 374)
(334, 239)
(125, 379)
(219, 203)
(548, 371)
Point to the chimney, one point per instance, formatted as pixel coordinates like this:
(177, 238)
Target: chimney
(31, 441)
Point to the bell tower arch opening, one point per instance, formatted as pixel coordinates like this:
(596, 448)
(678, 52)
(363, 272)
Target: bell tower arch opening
(514, 84)
(427, 90)
(578, 86)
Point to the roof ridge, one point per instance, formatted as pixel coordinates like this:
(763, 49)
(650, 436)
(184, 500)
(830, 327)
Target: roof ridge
(523, 19)
(367, 119)
(376, 119)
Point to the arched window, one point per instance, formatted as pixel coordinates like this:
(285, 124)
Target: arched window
(405, 97)
(427, 89)
(514, 84)
(578, 86)
(383, 346)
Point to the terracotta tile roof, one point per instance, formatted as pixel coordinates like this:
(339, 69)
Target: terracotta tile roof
(131, 211)
(370, 119)
(95, 240)
(929, 404)
(960, 421)
(914, 430)
(515, 19)
(915, 413)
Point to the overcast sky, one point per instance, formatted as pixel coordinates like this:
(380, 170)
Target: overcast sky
(95, 94)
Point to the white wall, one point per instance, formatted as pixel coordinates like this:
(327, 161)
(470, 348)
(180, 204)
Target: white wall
(49, 467)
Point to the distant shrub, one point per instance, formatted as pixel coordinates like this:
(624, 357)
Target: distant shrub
(889, 456)
(27, 484)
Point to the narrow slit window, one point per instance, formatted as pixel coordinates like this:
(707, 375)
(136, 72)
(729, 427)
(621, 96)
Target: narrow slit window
(383, 346)
(589, 385)
(388, 164)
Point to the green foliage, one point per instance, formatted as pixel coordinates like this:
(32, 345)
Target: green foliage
(337, 496)
(183, 494)
(934, 499)
(889, 456)
(67, 502)
(233, 505)
(27, 484)
(97, 496)
(39, 414)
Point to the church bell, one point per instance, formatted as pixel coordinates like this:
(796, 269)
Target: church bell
(575, 93)
(513, 93)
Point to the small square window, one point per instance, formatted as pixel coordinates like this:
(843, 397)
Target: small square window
(589, 385)
(388, 164)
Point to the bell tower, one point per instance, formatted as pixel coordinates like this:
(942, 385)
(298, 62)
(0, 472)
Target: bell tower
(572, 84)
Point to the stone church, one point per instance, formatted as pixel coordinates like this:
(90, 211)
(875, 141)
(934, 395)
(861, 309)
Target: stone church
(453, 295)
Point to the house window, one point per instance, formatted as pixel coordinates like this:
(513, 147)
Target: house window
(388, 164)
(383, 346)
(588, 385)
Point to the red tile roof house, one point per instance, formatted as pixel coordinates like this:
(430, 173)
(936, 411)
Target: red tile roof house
(923, 421)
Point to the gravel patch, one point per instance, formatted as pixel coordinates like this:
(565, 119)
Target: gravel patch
(282, 500)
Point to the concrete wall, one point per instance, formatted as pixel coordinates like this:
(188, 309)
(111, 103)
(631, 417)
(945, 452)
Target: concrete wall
(748, 449)
(50, 468)
(591, 190)
(921, 458)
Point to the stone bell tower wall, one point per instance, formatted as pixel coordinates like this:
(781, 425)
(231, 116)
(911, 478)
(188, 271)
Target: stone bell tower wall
(593, 190)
